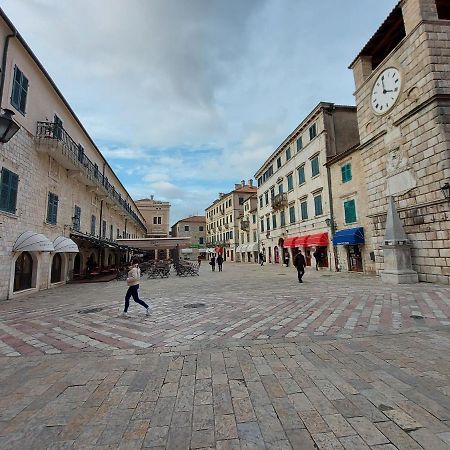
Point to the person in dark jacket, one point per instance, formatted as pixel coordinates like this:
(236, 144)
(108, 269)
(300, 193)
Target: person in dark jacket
(300, 264)
(212, 263)
(220, 262)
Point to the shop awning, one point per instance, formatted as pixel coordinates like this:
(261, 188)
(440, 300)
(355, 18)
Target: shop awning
(63, 244)
(29, 241)
(289, 242)
(244, 248)
(238, 248)
(350, 236)
(186, 250)
(252, 247)
(317, 240)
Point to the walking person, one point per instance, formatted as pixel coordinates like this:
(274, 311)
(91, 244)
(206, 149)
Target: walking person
(199, 260)
(134, 275)
(300, 264)
(261, 258)
(212, 263)
(220, 262)
(317, 257)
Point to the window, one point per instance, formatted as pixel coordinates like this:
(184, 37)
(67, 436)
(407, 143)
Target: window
(93, 220)
(312, 132)
(282, 218)
(278, 162)
(292, 214)
(301, 174)
(272, 192)
(76, 220)
(19, 90)
(268, 223)
(266, 197)
(346, 171)
(350, 211)
(103, 228)
(118, 233)
(288, 154)
(200, 228)
(23, 272)
(274, 221)
(280, 188)
(260, 201)
(318, 210)
(241, 200)
(304, 210)
(8, 192)
(201, 240)
(111, 232)
(254, 236)
(290, 182)
(315, 166)
(254, 218)
(186, 228)
(157, 220)
(56, 269)
(57, 127)
(262, 225)
(443, 9)
(231, 235)
(299, 143)
(52, 208)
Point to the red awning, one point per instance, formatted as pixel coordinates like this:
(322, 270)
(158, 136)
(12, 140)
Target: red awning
(317, 240)
(289, 242)
(301, 241)
(218, 249)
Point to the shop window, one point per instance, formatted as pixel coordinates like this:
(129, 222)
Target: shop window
(56, 268)
(350, 211)
(23, 272)
(8, 192)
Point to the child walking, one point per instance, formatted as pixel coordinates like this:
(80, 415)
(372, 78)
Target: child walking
(134, 275)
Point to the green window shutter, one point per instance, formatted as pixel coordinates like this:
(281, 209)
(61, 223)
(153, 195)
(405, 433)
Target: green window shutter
(290, 182)
(304, 208)
(8, 190)
(301, 174)
(315, 166)
(282, 219)
(14, 183)
(274, 221)
(299, 143)
(346, 172)
(350, 211)
(49, 207)
(318, 205)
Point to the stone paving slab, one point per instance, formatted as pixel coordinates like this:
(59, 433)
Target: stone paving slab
(231, 376)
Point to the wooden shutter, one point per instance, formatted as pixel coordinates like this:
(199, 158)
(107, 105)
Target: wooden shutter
(350, 211)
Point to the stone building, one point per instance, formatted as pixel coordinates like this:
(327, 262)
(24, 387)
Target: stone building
(402, 79)
(248, 245)
(193, 227)
(294, 197)
(157, 215)
(353, 248)
(222, 216)
(61, 205)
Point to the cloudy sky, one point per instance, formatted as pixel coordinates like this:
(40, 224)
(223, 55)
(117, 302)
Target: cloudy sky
(187, 97)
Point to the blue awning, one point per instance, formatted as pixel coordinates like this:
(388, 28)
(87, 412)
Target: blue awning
(350, 236)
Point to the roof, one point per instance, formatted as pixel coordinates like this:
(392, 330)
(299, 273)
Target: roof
(379, 34)
(247, 189)
(195, 219)
(58, 92)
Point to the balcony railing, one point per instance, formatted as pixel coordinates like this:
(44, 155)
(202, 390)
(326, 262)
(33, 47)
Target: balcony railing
(245, 224)
(73, 153)
(280, 201)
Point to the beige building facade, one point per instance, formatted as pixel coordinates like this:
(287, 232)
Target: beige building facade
(61, 205)
(248, 245)
(294, 196)
(222, 219)
(157, 216)
(402, 80)
(193, 227)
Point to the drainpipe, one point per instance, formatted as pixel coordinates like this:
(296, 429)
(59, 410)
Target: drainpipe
(5, 55)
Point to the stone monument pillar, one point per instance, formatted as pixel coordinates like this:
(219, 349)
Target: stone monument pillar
(396, 250)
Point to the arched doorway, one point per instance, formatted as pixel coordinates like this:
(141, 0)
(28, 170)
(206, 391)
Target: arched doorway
(23, 272)
(56, 269)
(110, 260)
(276, 255)
(77, 264)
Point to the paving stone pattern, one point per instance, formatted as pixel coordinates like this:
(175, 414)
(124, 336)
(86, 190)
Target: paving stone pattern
(335, 363)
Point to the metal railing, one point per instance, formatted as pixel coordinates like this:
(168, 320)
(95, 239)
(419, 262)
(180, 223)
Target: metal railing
(75, 153)
(279, 201)
(245, 224)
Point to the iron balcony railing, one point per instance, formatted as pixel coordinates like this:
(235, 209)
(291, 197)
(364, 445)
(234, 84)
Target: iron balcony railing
(279, 201)
(75, 153)
(245, 224)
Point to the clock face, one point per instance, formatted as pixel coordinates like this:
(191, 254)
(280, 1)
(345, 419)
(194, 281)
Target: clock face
(386, 90)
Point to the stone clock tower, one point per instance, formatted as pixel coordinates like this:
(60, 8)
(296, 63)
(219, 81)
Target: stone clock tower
(402, 79)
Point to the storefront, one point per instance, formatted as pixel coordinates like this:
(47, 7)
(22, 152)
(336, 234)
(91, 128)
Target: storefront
(351, 241)
(309, 243)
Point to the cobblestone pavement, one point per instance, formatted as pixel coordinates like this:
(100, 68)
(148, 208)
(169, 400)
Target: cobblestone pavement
(335, 363)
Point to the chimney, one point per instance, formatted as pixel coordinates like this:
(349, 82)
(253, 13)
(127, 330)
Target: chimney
(250, 182)
(221, 194)
(242, 183)
(237, 186)
(151, 197)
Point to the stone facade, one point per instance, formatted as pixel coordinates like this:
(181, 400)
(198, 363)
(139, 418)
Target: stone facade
(248, 246)
(293, 185)
(193, 227)
(405, 151)
(222, 219)
(157, 215)
(50, 160)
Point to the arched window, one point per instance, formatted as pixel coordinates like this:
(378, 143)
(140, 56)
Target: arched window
(23, 273)
(56, 268)
(77, 264)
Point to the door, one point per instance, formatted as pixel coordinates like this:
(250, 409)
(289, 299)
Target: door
(276, 255)
(308, 256)
(323, 256)
(354, 259)
(56, 269)
(23, 273)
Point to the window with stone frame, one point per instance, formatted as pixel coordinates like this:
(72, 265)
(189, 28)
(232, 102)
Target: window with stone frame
(315, 169)
(299, 143)
(346, 172)
(350, 211)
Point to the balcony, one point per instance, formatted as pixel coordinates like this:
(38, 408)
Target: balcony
(54, 140)
(280, 201)
(227, 226)
(245, 225)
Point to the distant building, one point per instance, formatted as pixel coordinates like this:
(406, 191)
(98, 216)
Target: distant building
(193, 227)
(222, 224)
(248, 246)
(294, 196)
(156, 214)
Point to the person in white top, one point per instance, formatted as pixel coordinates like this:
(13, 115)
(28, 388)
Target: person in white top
(134, 275)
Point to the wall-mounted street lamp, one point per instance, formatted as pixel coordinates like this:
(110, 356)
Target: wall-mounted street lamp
(8, 128)
(446, 190)
(331, 223)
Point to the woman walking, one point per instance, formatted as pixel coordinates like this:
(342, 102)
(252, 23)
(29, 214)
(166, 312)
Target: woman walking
(134, 275)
